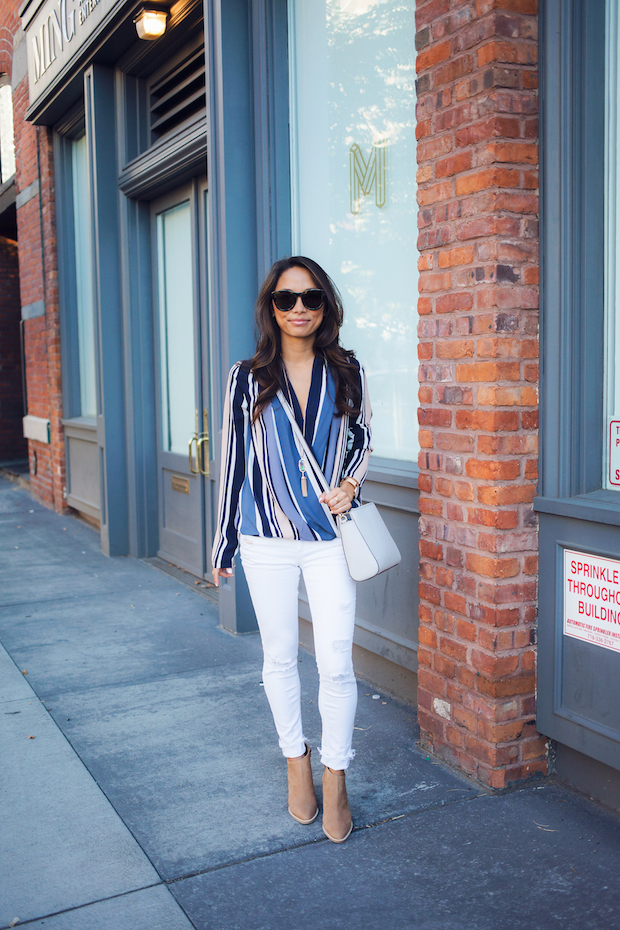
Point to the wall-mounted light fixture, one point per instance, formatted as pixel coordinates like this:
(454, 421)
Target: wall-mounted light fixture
(151, 22)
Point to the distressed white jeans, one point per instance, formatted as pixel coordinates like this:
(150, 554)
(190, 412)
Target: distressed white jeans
(272, 568)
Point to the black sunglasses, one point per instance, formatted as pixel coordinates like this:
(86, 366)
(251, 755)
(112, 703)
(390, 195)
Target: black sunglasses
(312, 299)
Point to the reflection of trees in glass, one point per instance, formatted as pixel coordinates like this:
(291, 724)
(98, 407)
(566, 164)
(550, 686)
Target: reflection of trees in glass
(368, 77)
(365, 92)
(371, 75)
(357, 112)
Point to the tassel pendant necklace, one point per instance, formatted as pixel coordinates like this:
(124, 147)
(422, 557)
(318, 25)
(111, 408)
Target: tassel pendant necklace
(304, 480)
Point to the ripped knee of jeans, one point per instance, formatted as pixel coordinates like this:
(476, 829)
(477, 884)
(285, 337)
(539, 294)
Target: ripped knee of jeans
(275, 664)
(341, 677)
(341, 645)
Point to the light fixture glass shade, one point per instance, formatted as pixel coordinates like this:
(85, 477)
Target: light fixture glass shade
(150, 24)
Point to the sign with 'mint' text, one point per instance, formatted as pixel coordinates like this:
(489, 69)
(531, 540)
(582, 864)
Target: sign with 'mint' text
(55, 31)
(592, 599)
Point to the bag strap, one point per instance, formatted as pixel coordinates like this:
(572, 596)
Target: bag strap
(317, 478)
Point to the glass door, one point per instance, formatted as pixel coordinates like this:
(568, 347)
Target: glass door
(183, 403)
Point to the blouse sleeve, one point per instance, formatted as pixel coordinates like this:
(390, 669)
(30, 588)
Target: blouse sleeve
(358, 441)
(232, 470)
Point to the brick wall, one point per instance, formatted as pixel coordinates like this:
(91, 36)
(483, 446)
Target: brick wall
(477, 156)
(38, 274)
(9, 24)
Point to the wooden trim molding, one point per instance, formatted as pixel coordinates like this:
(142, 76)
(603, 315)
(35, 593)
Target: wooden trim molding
(183, 154)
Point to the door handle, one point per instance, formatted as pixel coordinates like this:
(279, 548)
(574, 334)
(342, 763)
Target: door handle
(203, 454)
(194, 471)
(203, 445)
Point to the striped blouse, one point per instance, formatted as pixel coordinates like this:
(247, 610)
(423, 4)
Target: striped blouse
(260, 479)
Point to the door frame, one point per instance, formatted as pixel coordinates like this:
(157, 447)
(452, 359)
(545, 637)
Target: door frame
(194, 193)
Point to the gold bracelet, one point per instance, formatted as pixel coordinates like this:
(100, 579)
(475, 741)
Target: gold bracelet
(353, 482)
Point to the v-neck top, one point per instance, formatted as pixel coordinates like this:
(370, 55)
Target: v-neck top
(260, 478)
(312, 404)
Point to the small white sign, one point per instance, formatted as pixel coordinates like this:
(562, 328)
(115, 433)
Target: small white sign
(592, 599)
(614, 452)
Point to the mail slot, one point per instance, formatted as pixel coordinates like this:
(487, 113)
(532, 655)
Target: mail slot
(180, 483)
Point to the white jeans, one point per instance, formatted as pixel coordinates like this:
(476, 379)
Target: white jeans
(272, 568)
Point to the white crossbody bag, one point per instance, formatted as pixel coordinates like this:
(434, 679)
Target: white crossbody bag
(368, 546)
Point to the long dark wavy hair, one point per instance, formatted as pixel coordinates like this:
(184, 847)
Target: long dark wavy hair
(267, 366)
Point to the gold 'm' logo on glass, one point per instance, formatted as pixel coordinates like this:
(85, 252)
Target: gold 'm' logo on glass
(366, 174)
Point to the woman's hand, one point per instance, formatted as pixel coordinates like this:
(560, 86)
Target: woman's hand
(339, 499)
(223, 573)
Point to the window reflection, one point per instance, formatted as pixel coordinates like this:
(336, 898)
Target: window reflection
(7, 146)
(353, 170)
(84, 277)
(176, 327)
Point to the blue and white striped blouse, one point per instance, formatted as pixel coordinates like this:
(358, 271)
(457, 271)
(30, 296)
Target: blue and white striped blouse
(260, 480)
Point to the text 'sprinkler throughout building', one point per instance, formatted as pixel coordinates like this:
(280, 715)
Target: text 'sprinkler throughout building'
(157, 157)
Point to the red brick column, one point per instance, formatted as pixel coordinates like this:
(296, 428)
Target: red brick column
(38, 273)
(477, 155)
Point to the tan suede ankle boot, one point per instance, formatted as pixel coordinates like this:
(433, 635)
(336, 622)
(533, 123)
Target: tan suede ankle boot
(337, 822)
(302, 804)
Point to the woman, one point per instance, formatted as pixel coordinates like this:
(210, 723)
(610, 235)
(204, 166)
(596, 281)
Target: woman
(269, 507)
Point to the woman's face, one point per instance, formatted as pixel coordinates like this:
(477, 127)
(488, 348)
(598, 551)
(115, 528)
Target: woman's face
(297, 323)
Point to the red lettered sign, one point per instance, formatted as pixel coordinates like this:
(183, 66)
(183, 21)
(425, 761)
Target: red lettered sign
(592, 599)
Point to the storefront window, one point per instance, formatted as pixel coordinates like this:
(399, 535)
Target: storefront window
(84, 278)
(354, 195)
(7, 147)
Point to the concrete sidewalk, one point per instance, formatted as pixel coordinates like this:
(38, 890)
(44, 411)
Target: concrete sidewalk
(142, 788)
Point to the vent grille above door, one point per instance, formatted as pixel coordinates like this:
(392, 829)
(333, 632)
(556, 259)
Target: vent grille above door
(177, 92)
